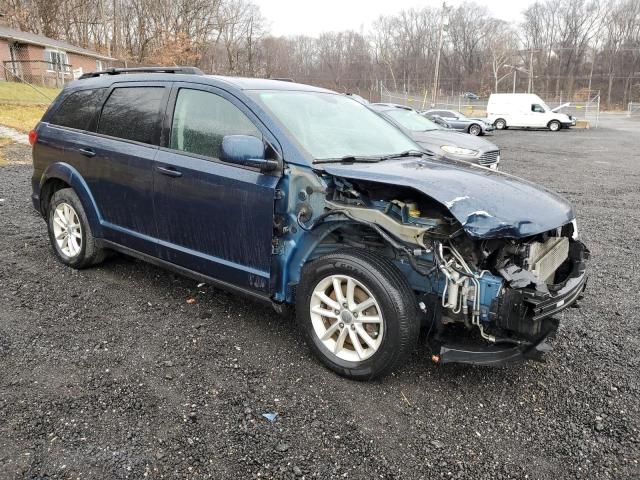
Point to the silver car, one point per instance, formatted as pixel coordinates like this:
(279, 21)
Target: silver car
(458, 121)
(443, 143)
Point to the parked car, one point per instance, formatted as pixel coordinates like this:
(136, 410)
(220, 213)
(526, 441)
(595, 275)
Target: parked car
(528, 110)
(293, 194)
(471, 96)
(442, 142)
(460, 122)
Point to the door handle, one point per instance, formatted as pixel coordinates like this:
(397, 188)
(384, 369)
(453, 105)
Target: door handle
(87, 152)
(169, 171)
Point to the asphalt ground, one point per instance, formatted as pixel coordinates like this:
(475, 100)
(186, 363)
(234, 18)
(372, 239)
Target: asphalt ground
(109, 373)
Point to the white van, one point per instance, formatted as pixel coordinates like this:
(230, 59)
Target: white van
(506, 110)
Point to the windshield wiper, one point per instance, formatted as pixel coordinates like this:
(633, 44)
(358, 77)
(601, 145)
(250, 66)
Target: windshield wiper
(407, 153)
(350, 159)
(355, 159)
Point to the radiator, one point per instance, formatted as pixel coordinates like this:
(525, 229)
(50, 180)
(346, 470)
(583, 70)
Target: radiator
(546, 257)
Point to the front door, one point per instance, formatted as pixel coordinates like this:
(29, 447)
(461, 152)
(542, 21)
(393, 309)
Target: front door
(212, 217)
(535, 116)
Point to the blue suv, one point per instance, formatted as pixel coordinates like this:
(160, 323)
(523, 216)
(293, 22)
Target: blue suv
(299, 196)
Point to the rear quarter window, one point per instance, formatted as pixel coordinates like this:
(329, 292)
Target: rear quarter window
(132, 113)
(79, 109)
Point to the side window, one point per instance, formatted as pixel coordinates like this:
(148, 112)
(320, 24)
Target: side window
(537, 108)
(201, 119)
(78, 109)
(132, 113)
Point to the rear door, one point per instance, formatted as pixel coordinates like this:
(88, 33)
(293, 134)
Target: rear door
(122, 153)
(213, 217)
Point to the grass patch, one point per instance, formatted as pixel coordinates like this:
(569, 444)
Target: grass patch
(14, 92)
(4, 141)
(21, 117)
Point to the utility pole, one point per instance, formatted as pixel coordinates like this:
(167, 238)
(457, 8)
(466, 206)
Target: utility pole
(114, 33)
(515, 72)
(530, 87)
(434, 93)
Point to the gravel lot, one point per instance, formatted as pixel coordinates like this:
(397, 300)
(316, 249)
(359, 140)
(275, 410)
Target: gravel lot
(110, 373)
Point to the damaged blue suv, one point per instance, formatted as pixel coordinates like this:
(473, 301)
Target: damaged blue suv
(302, 197)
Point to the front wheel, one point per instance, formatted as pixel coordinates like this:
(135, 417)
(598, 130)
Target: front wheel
(554, 125)
(475, 130)
(500, 124)
(357, 313)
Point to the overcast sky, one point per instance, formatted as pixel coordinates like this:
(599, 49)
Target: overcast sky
(311, 17)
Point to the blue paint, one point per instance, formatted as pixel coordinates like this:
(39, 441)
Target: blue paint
(216, 218)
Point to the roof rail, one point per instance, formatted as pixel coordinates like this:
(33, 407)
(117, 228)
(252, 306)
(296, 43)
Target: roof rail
(283, 79)
(118, 71)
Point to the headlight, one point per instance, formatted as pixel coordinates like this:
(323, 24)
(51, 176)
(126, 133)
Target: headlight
(458, 151)
(575, 229)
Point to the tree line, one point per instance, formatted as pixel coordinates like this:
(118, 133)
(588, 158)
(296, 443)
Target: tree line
(562, 47)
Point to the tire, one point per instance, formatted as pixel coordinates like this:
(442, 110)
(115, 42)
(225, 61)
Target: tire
(500, 124)
(554, 125)
(392, 327)
(66, 214)
(475, 129)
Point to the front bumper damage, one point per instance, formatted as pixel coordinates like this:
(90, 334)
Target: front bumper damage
(527, 313)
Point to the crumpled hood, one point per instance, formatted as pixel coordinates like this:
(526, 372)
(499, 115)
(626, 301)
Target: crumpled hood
(438, 138)
(487, 203)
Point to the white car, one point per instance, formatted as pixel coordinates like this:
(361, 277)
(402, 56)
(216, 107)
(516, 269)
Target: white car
(506, 110)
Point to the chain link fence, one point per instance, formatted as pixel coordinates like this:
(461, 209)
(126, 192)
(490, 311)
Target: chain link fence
(633, 110)
(584, 105)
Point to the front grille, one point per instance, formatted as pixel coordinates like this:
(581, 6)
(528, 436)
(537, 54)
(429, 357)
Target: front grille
(488, 158)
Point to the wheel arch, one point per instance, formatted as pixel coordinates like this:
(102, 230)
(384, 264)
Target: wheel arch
(62, 175)
(310, 246)
(554, 120)
(474, 124)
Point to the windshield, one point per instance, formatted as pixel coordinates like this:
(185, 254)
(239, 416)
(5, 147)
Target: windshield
(412, 120)
(331, 126)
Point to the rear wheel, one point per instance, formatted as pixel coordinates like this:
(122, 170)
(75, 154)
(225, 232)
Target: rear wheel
(500, 124)
(475, 129)
(357, 313)
(554, 125)
(69, 231)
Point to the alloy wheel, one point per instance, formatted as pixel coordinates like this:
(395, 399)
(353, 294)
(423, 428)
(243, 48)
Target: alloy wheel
(347, 318)
(67, 230)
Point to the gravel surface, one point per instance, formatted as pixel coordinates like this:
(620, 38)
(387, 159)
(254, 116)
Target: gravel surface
(109, 373)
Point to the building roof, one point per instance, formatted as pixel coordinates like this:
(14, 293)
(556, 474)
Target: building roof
(32, 38)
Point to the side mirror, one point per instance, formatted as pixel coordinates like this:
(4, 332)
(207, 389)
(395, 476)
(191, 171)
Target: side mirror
(246, 150)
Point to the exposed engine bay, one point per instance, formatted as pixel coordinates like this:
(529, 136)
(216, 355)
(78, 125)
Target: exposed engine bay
(502, 292)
